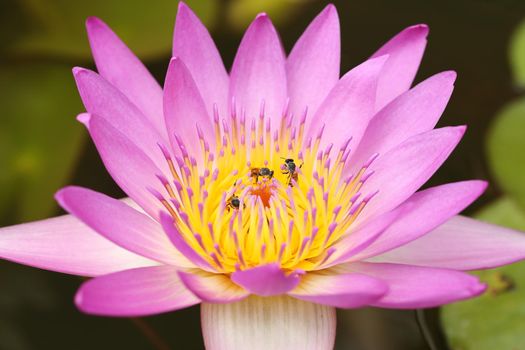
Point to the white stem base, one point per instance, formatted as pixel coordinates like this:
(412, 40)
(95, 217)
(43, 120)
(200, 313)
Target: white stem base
(271, 323)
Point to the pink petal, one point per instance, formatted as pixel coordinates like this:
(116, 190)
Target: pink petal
(427, 210)
(178, 241)
(117, 64)
(349, 106)
(339, 290)
(185, 111)
(462, 243)
(131, 169)
(413, 287)
(64, 244)
(258, 73)
(212, 287)
(121, 224)
(409, 114)
(405, 168)
(313, 65)
(194, 45)
(266, 280)
(405, 51)
(353, 242)
(138, 292)
(103, 99)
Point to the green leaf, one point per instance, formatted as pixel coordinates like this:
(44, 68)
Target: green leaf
(495, 320)
(504, 212)
(39, 137)
(517, 55)
(506, 144)
(146, 27)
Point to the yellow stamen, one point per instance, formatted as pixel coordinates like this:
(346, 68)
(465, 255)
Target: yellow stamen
(291, 216)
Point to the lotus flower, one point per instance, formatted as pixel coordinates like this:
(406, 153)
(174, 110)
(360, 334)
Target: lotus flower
(273, 194)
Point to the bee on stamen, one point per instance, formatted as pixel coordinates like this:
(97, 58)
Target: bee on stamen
(290, 168)
(233, 202)
(262, 172)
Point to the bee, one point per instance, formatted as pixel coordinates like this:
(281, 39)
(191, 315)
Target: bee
(233, 203)
(290, 168)
(262, 172)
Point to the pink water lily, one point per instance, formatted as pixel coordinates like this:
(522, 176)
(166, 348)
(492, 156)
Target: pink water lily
(280, 188)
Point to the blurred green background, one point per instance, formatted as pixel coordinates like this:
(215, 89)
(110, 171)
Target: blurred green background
(42, 148)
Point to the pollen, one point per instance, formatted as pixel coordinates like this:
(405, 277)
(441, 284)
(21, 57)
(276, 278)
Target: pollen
(263, 191)
(263, 195)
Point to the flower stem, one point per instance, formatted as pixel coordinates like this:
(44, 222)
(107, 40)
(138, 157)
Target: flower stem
(151, 334)
(261, 323)
(423, 328)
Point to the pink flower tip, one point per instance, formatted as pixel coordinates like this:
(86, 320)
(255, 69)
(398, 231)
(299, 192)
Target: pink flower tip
(79, 299)
(328, 11)
(263, 22)
(183, 6)
(262, 16)
(94, 23)
(60, 196)
(330, 7)
(483, 184)
(84, 118)
(452, 73)
(419, 29)
(77, 70)
(479, 288)
(448, 75)
(461, 129)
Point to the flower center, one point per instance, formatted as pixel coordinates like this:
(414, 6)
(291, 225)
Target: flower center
(263, 190)
(263, 196)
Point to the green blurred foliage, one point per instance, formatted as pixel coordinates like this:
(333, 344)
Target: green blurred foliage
(506, 147)
(39, 137)
(58, 25)
(505, 212)
(495, 320)
(517, 55)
